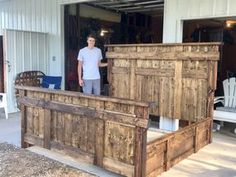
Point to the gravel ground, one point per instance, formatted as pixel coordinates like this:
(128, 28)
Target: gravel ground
(17, 162)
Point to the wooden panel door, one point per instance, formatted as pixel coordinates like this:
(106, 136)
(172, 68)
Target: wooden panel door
(23, 51)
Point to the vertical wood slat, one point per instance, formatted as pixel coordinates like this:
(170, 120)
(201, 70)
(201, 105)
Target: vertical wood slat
(99, 144)
(210, 132)
(196, 140)
(144, 153)
(23, 120)
(47, 128)
(178, 89)
(138, 152)
(167, 156)
(109, 75)
(132, 80)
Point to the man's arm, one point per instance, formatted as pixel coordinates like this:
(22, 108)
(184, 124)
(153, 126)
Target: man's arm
(80, 64)
(100, 64)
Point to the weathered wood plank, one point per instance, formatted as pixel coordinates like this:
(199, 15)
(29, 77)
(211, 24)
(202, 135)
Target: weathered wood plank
(178, 89)
(68, 129)
(33, 140)
(119, 167)
(120, 142)
(155, 72)
(91, 136)
(132, 80)
(81, 96)
(119, 70)
(90, 112)
(138, 152)
(200, 56)
(47, 129)
(99, 144)
(23, 120)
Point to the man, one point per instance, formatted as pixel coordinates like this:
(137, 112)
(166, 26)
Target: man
(89, 61)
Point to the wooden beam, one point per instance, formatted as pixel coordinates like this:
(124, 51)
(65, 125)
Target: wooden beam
(199, 56)
(81, 95)
(34, 140)
(129, 119)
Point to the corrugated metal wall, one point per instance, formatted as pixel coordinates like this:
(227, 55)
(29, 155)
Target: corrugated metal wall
(38, 16)
(24, 51)
(177, 10)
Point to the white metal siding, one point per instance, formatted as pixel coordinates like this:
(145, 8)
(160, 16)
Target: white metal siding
(176, 11)
(38, 16)
(24, 51)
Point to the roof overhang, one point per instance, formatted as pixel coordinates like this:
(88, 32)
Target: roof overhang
(131, 6)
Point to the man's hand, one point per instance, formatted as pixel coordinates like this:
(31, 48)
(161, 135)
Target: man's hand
(100, 64)
(81, 82)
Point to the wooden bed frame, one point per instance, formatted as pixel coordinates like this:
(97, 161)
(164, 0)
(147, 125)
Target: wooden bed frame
(109, 132)
(114, 133)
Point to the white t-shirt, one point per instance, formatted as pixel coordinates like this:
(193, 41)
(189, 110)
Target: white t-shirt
(90, 59)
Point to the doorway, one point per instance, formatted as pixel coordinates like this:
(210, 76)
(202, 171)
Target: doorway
(216, 30)
(110, 26)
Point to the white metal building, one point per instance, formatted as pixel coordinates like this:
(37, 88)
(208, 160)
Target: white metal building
(34, 32)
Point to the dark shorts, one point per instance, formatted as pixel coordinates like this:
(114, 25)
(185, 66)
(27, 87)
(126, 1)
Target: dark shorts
(92, 86)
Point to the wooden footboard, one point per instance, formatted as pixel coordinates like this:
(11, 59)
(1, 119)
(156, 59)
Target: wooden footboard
(107, 132)
(164, 152)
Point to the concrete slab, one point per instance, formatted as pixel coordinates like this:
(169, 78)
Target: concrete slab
(215, 160)
(10, 128)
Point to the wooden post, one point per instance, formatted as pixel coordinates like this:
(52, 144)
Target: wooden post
(144, 153)
(210, 131)
(22, 93)
(196, 139)
(167, 158)
(99, 149)
(47, 128)
(138, 153)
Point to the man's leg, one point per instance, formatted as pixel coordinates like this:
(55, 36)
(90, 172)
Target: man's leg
(97, 87)
(87, 88)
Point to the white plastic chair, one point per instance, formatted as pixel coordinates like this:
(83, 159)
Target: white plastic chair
(227, 112)
(3, 103)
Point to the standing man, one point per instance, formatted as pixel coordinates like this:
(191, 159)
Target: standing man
(89, 61)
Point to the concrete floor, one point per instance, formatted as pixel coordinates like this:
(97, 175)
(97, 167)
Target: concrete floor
(10, 128)
(215, 160)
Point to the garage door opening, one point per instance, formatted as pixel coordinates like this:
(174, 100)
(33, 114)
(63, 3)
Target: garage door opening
(113, 22)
